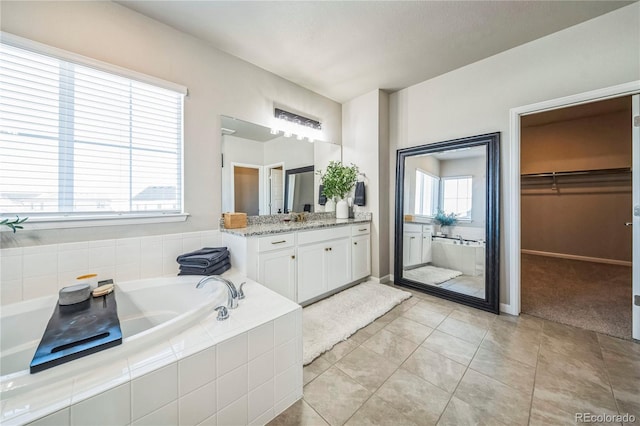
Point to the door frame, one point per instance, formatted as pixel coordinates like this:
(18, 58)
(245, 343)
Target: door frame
(512, 216)
(260, 182)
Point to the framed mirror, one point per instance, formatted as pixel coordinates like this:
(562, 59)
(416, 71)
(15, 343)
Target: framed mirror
(259, 169)
(447, 220)
(298, 190)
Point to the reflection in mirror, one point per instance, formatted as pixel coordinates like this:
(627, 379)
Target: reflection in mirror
(256, 165)
(447, 194)
(298, 194)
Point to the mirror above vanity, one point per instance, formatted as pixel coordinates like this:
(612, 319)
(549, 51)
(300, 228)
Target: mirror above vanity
(265, 173)
(447, 220)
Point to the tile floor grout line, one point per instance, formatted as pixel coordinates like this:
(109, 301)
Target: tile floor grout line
(535, 375)
(606, 369)
(387, 379)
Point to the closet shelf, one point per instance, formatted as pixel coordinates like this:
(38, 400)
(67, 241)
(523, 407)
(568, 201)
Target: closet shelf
(593, 172)
(603, 176)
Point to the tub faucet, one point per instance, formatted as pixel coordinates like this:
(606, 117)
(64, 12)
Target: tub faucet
(232, 301)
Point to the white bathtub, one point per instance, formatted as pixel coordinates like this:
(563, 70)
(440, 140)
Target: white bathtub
(144, 307)
(164, 321)
(467, 257)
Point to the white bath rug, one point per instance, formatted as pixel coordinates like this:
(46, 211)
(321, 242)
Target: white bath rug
(334, 319)
(431, 275)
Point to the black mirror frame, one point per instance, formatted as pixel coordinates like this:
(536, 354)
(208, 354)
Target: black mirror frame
(491, 302)
(286, 182)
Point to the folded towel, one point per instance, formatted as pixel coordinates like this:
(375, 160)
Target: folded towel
(322, 199)
(204, 257)
(216, 269)
(359, 197)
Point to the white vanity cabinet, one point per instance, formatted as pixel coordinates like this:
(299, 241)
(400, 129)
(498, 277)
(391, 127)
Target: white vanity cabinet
(360, 252)
(412, 244)
(416, 247)
(305, 265)
(324, 261)
(277, 271)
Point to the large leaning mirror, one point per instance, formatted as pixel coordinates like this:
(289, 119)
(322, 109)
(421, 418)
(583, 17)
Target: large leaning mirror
(447, 241)
(265, 173)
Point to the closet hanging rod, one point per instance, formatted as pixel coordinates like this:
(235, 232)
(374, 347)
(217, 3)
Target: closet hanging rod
(579, 173)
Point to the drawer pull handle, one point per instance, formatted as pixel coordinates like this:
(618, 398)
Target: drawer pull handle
(363, 229)
(293, 257)
(355, 244)
(278, 242)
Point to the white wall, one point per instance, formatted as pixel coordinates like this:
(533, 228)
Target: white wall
(365, 144)
(476, 99)
(218, 84)
(292, 152)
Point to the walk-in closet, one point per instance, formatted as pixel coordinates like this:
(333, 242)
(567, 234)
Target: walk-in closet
(576, 199)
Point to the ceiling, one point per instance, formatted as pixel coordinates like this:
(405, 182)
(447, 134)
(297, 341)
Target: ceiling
(342, 49)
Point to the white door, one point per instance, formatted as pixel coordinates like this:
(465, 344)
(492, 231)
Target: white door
(338, 263)
(636, 217)
(276, 200)
(276, 271)
(312, 280)
(360, 257)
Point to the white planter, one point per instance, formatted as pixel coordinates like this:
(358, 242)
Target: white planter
(330, 206)
(342, 210)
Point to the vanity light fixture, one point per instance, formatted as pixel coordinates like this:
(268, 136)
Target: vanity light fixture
(294, 124)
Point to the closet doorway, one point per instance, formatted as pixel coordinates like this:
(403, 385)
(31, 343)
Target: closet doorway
(575, 212)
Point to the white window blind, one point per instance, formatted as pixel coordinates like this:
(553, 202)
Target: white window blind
(426, 197)
(76, 140)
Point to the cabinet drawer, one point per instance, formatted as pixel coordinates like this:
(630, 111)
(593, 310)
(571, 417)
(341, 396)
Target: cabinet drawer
(412, 227)
(360, 229)
(276, 242)
(324, 234)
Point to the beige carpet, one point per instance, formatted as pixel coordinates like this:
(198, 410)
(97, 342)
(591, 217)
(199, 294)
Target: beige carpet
(593, 296)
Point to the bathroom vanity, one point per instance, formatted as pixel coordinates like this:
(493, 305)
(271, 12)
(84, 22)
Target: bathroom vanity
(303, 261)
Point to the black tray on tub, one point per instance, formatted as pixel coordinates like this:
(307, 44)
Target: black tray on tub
(78, 330)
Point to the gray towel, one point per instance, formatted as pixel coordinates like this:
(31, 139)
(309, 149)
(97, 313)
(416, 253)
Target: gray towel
(322, 199)
(359, 197)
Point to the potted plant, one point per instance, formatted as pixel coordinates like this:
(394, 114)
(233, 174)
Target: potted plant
(15, 224)
(444, 220)
(337, 180)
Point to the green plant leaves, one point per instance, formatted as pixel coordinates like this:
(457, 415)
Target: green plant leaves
(338, 179)
(14, 225)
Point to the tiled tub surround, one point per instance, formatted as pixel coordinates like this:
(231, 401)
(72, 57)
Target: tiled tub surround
(31, 272)
(274, 224)
(244, 370)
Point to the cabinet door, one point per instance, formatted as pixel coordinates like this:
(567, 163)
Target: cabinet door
(276, 271)
(426, 247)
(360, 257)
(338, 263)
(412, 253)
(312, 280)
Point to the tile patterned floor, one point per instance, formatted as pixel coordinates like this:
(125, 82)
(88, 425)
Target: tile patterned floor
(430, 361)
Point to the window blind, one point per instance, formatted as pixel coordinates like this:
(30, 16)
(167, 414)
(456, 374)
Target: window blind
(76, 140)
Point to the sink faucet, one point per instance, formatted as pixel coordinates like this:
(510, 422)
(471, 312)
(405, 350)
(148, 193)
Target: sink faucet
(460, 239)
(232, 301)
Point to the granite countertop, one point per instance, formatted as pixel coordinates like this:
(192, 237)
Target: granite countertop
(283, 227)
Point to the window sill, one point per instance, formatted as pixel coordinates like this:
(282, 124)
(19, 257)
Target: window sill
(40, 223)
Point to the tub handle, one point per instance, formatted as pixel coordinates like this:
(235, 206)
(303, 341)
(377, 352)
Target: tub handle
(240, 292)
(223, 313)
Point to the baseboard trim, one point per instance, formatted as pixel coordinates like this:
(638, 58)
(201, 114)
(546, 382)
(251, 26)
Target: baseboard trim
(576, 257)
(508, 309)
(382, 280)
